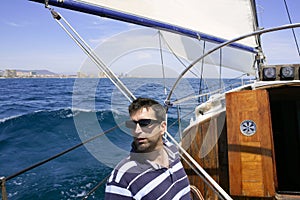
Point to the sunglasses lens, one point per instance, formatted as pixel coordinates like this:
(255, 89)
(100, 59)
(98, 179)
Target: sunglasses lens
(144, 122)
(130, 124)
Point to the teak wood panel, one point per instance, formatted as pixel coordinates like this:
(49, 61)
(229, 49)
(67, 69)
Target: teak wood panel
(193, 142)
(206, 142)
(250, 158)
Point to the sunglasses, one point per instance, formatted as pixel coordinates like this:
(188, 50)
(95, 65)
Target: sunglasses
(142, 122)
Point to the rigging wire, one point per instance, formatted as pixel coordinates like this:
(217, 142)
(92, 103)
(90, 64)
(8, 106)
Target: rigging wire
(179, 145)
(90, 53)
(208, 94)
(220, 77)
(168, 102)
(78, 40)
(290, 20)
(179, 121)
(176, 56)
(201, 73)
(120, 85)
(162, 61)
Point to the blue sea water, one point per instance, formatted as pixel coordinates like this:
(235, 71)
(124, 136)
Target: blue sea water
(40, 118)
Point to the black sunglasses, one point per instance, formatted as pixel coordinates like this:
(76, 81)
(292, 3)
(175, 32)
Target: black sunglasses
(142, 122)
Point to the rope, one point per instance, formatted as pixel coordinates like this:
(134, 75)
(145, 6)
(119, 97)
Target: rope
(195, 192)
(96, 187)
(290, 20)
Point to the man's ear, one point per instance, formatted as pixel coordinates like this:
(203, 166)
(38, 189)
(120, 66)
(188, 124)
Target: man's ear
(163, 126)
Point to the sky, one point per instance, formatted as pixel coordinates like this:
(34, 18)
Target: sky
(31, 39)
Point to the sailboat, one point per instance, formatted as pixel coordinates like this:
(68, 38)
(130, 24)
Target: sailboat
(242, 143)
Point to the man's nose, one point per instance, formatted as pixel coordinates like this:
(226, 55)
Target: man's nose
(138, 129)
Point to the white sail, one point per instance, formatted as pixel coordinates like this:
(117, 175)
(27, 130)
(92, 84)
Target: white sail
(223, 19)
(212, 20)
(142, 46)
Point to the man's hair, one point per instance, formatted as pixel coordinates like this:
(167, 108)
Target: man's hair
(139, 103)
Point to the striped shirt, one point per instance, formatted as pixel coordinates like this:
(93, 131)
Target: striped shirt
(134, 178)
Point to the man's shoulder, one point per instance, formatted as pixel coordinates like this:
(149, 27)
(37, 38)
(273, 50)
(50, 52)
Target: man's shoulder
(131, 165)
(125, 164)
(126, 171)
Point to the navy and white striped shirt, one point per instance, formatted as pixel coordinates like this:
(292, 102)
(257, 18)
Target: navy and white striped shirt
(135, 178)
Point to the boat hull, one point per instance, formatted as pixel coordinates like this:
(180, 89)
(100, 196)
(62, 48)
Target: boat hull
(250, 139)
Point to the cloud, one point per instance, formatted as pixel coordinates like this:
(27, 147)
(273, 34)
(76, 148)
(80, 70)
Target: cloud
(96, 41)
(108, 28)
(14, 24)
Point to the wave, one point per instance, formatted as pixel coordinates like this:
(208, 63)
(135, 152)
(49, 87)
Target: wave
(9, 118)
(30, 138)
(47, 127)
(62, 113)
(34, 129)
(60, 129)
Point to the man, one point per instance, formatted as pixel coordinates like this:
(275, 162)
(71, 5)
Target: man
(153, 169)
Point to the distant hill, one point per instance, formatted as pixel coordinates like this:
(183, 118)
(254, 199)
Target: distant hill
(38, 72)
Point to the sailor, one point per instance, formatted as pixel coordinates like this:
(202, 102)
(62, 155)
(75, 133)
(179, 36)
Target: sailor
(153, 169)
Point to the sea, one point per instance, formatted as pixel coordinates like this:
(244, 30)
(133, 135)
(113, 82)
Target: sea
(41, 118)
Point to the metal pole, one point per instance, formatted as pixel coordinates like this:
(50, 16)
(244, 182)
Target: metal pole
(3, 188)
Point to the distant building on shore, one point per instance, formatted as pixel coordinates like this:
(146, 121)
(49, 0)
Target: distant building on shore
(90, 75)
(28, 74)
(10, 73)
(16, 73)
(13, 73)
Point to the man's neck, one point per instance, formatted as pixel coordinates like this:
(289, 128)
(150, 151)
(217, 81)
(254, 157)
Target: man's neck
(163, 158)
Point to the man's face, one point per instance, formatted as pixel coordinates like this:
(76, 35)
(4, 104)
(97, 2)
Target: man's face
(147, 138)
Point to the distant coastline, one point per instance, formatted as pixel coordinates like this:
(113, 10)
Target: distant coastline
(17, 73)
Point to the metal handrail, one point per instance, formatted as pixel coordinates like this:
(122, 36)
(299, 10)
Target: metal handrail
(259, 32)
